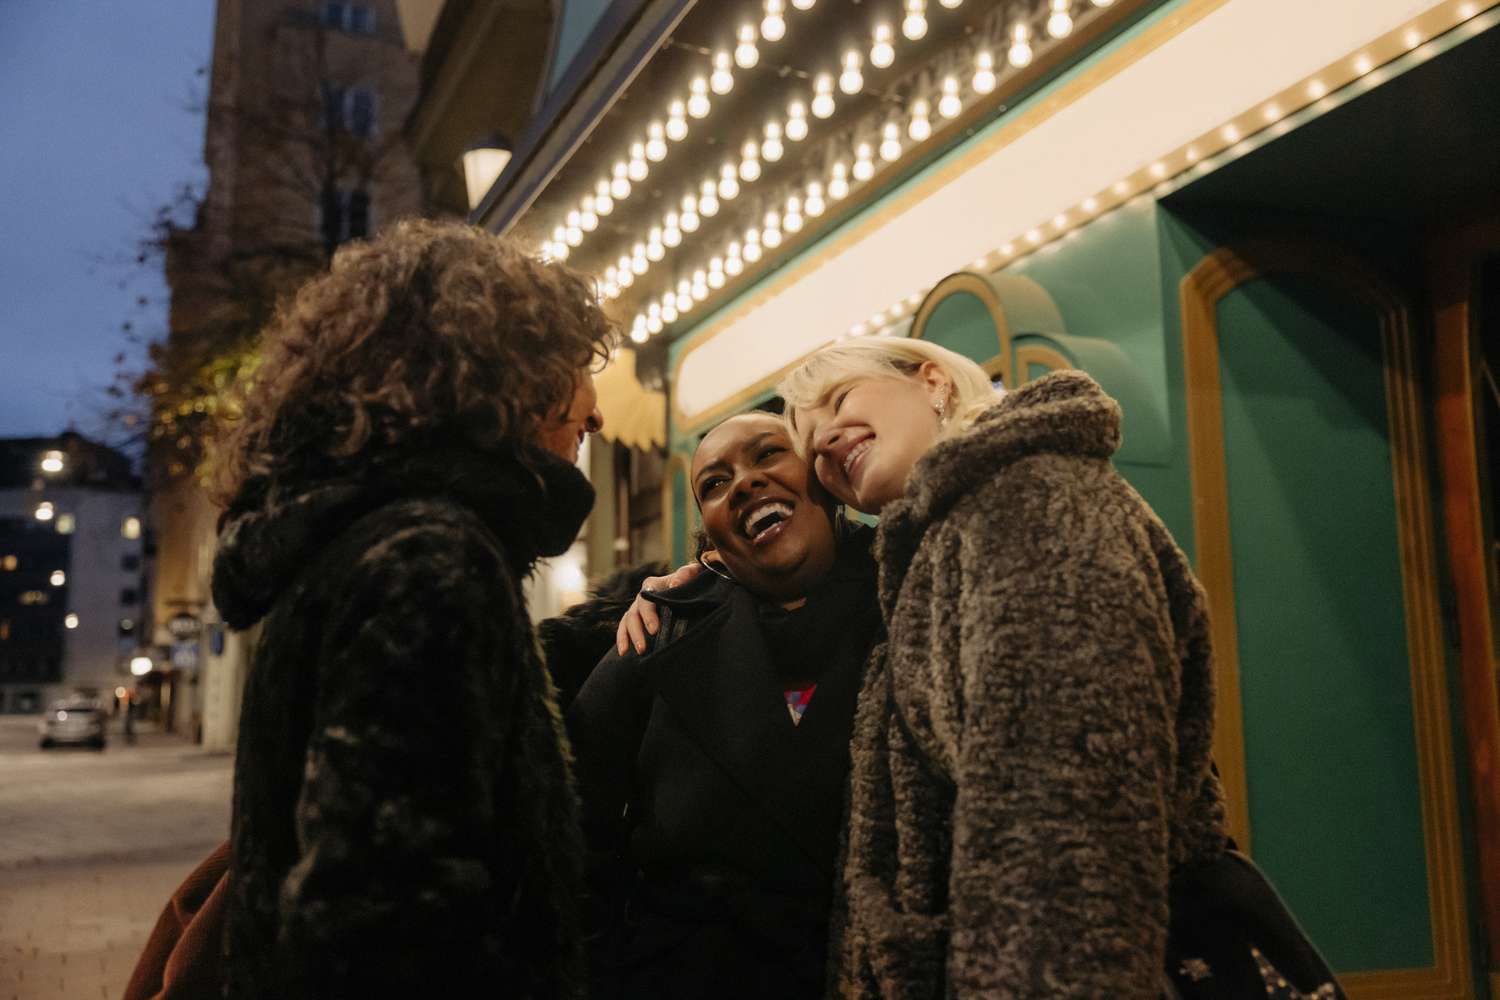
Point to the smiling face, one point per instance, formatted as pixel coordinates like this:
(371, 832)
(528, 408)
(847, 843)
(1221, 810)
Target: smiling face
(563, 435)
(870, 432)
(761, 507)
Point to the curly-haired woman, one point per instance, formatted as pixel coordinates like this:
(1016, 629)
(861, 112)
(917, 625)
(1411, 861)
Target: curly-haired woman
(403, 821)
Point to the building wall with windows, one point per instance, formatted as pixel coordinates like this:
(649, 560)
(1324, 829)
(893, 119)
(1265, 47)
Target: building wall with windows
(73, 601)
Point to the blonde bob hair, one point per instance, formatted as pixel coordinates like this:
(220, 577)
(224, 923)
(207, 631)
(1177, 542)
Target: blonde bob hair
(812, 383)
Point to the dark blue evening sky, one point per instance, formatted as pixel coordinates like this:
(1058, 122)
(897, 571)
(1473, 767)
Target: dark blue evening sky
(95, 134)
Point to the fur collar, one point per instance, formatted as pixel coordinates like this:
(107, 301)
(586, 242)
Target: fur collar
(1065, 413)
(532, 500)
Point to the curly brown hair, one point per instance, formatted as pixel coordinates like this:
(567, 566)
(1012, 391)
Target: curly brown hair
(429, 331)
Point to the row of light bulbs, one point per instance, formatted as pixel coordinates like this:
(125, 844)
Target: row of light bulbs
(811, 201)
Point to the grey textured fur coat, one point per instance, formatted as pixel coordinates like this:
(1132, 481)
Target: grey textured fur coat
(1031, 753)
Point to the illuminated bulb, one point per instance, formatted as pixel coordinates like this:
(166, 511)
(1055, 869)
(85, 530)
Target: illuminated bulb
(44, 511)
(689, 221)
(729, 184)
(603, 203)
(1103, 3)
(920, 127)
(708, 199)
(609, 290)
(1317, 90)
(984, 72)
(814, 205)
(915, 24)
(1020, 45)
(588, 219)
(733, 266)
(656, 142)
(1158, 170)
(882, 52)
(559, 251)
(822, 102)
(745, 54)
(1231, 134)
(796, 121)
(890, 142)
(685, 301)
(1060, 24)
(803, 4)
(838, 184)
(1034, 236)
(864, 166)
(773, 25)
(620, 186)
(772, 237)
(949, 104)
(638, 331)
(677, 127)
(669, 308)
(732, 252)
(654, 323)
(698, 103)
(700, 292)
(1060, 220)
(1090, 204)
(716, 273)
(750, 161)
(559, 234)
(951, 4)
(771, 149)
(792, 221)
(671, 235)
(851, 80)
(721, 81)
(1363, 64)
(638, 261)
(638, 168)
(624, 274)
(654, 249)
(752, 251)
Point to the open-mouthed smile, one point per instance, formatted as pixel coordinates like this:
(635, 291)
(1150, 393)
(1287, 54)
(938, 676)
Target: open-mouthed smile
(763, 521)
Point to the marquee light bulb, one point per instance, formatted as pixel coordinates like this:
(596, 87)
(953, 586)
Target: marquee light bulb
(920, 128)
(716, 273)
(677, 127)
(864, 164)
(733, 265)
(620, 185)
(814, 205)
(689, 221)
(838, 183)
(803, 4)
(1103, 3)
(750, 161)
(721, 81)
(984, 71)
(851, 80)
(1060, 23)
(638, 167)
(746, 55)
(698, 103)
(654, 323)
(1020, 53)
(656, 142)
(914, 26)
(792, 221)
(890, 142)
(752, 251)
(796, 121)
(882, 52)
(951, 4)
(771, 149)
(950, 105)
(729, 184)
(822, 103)
(708, 199)
(773, 25)
(671, 235)
(588, 219)
(603, 203)
(669, 308)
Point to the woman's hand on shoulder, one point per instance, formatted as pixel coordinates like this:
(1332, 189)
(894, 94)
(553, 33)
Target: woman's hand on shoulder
(641, 618)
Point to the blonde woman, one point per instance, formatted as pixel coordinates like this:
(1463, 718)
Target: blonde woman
(1031, 753)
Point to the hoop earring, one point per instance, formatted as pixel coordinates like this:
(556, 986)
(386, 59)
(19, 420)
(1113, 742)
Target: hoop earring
(840, 522)
(720, 573)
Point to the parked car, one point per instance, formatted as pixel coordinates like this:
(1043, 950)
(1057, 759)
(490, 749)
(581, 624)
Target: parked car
(72, 722)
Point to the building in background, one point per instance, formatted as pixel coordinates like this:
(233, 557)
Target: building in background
(74, 610)
(1270, 228)
(305, 150)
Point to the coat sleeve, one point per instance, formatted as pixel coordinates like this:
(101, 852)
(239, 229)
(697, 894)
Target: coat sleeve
(1059, 865)
(396, 888)
(606, 724)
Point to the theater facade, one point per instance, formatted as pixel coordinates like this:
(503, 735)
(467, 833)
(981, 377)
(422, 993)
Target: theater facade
(1269, 228)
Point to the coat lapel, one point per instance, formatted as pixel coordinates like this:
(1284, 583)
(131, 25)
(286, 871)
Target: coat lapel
(721, 684)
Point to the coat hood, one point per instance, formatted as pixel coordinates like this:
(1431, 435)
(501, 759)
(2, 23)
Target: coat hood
(532, 500)
(1065, 413)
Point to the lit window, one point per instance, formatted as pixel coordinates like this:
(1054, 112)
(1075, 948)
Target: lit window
(8, 563)
(65, 524)
(44, 511)
(52, 461)
(131, 528)
(58, 578)
(71, 621)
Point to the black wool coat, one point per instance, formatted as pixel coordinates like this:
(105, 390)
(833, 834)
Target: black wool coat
(403, 819)
(714, 822)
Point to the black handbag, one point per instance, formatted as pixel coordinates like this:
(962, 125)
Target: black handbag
(1231, 937)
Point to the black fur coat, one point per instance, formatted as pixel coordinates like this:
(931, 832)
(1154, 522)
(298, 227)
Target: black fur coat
(403, 819)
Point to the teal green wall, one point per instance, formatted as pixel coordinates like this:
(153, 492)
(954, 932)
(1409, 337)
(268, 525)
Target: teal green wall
(1335, 813)
(578, 19)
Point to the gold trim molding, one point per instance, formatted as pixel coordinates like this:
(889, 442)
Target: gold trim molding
(1450, 977)
(966, 283)
(1038, 354)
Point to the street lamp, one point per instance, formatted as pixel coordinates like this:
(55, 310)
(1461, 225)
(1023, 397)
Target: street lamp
(483, 162)
(140, 666)
(52, 461)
